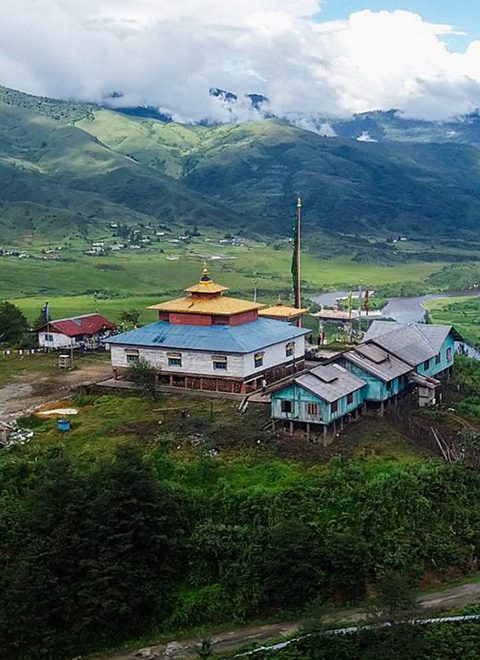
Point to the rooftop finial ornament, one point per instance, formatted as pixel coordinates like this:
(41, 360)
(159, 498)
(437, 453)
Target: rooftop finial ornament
(205, 274)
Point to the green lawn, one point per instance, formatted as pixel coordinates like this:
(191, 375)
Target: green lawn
(462, 312)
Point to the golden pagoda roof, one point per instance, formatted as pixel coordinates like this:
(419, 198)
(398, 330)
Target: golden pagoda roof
(206, 285)
(283, 311)
(221, 306)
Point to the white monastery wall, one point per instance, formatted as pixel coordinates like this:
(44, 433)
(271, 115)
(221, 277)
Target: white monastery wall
(201, 362)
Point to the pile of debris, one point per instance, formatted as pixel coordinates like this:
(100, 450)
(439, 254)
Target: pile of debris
(12, 434)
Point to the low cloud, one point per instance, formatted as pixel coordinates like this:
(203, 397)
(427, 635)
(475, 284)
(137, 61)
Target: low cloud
(170, 54)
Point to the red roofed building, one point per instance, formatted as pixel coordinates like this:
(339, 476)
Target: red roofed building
(77, 331)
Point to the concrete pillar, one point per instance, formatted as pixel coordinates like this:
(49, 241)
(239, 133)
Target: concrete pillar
(325, 435)
(356, 414)
(243, 388)
(273, 425)
(291, 428)
(341, 423)
(364, 408)
(382, 408)
(308, 432)
(115, 374)
(171, 380)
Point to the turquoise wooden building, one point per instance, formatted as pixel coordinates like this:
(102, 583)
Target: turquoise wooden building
(385, 375)
(393, 358)
(323, 396)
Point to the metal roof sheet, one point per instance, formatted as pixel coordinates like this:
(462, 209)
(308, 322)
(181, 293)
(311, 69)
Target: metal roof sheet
(373, 353)
(282, 311)
(430, 336)
(87, 324)
(386, 370)
(218, 306)
(245, 338)
(344, 383)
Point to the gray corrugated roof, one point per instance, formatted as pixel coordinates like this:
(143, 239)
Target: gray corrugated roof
(433, 334)
(386, 370)
(411, 342)
(343, 383)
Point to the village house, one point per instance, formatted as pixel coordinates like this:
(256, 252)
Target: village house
(209, 341)
(323, 395)
(393, 359)
(77, 331)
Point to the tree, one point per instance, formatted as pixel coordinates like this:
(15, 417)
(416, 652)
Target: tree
(396, 597)
(13, 323)
(143, 375)
(91, 559)
(130, 316)
(292, 563)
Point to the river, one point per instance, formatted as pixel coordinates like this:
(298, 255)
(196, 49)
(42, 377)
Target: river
(404, 310)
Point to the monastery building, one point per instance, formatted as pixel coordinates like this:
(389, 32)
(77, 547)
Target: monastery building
(209, 341)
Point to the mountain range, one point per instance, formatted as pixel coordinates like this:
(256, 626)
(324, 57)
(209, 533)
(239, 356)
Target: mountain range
(70, 168)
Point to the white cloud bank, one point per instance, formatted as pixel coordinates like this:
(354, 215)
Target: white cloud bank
(168, 54)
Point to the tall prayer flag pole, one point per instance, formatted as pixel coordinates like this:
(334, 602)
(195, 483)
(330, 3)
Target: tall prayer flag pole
(296, 265)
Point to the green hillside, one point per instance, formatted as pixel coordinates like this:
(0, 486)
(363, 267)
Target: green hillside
(70, 168)
(58, 180)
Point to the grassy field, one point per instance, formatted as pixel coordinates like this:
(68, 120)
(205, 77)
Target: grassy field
(247, 454)
(136, 279)
(462, 312)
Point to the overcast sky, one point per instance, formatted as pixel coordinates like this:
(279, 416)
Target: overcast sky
(306, 56)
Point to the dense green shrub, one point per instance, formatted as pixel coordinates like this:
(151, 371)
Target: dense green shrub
(90, 556)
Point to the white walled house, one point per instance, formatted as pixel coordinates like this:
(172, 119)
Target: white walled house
(212, 342)
(73, 332)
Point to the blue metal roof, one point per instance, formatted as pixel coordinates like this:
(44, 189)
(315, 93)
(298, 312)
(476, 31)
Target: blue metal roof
(245, 338)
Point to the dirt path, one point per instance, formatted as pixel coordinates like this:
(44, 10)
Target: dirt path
(228, 641)
(30, 391)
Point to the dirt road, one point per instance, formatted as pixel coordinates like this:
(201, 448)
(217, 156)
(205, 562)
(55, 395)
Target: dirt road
(31, 390)
(228, 641)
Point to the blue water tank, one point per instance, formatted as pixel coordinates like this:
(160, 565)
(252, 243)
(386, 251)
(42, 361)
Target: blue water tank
(64, 425)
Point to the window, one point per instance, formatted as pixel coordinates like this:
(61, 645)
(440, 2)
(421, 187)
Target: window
(219, 363)
(438, 358)
(259, 360)
(426, 364)
(312, 409)
(132, 358)
(334, 407)
(174, 359)
(286, 406)
(48, 337)
(349, 398)
(449, 354)
(290, 349)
